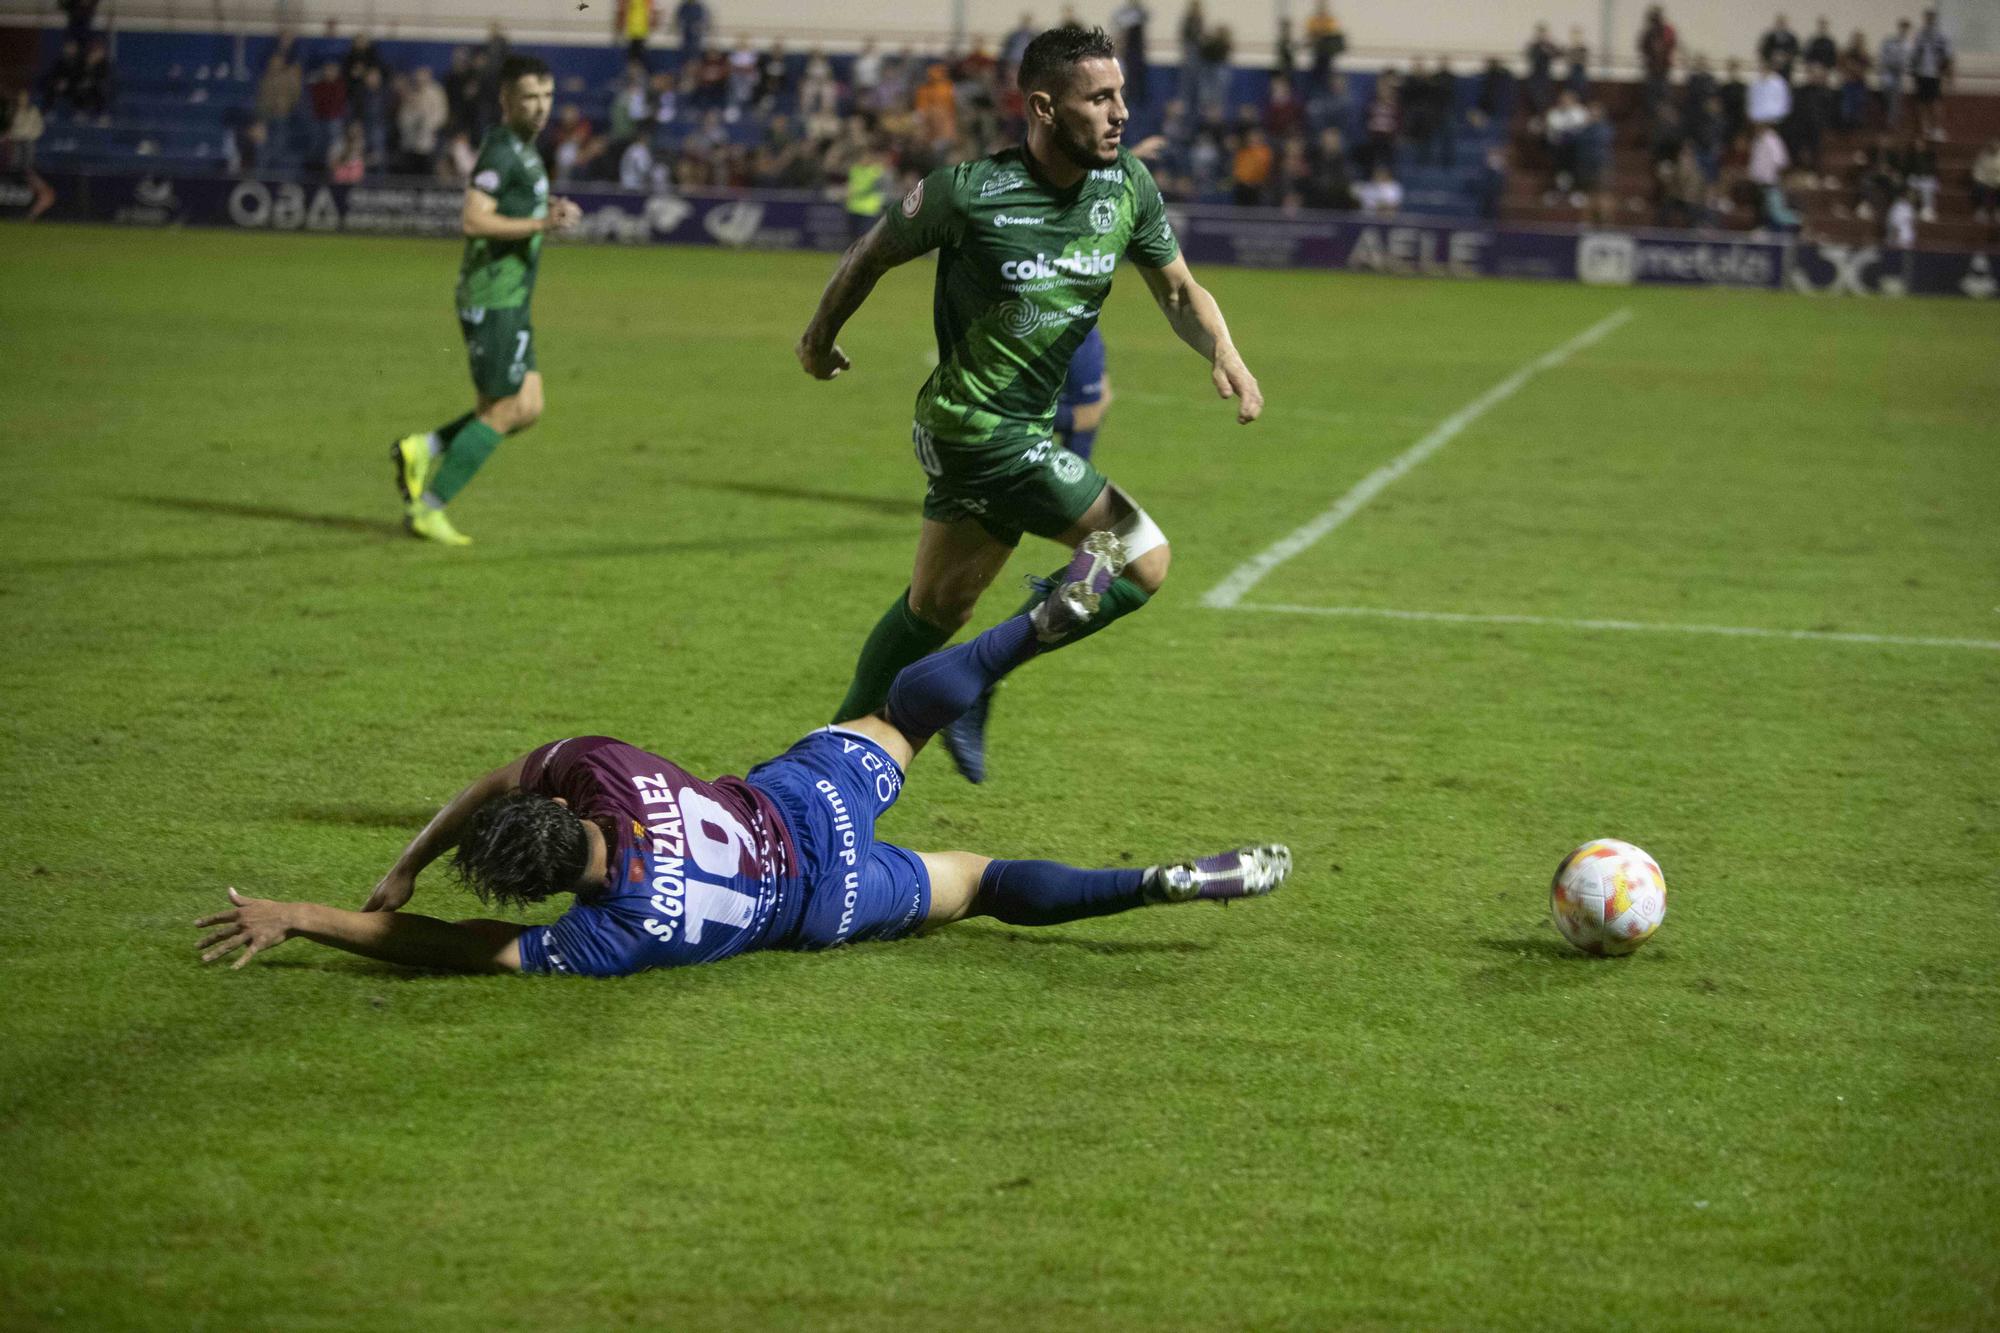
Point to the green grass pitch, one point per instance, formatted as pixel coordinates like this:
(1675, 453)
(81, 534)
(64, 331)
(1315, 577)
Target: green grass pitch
(1387, 1098)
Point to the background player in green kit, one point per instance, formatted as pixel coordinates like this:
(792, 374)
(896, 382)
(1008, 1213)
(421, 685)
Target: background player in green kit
(1028, 240)
(507, 210)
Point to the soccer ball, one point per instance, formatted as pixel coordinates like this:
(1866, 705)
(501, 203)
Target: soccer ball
(1608, 897)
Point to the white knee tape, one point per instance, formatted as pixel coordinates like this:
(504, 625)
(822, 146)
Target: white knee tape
(1139, 533)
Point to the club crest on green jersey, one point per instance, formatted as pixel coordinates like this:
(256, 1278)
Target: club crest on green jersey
(1103, 216)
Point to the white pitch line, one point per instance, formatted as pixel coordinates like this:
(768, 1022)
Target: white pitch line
(1557, 622)
(1246, 576)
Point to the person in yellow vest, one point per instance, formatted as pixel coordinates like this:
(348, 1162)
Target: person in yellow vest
(635, 26)
(867, 180)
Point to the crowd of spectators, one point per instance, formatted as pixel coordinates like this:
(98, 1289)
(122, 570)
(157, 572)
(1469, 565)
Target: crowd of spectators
(1775, 125)
(701, 113)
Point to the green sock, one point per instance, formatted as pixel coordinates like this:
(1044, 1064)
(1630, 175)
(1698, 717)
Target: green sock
(1122, 598)
(468, 451)
(446, 433)
(898, 639)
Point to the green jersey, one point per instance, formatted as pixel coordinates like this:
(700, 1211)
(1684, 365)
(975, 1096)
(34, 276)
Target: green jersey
(1022, 270)
(501, 274)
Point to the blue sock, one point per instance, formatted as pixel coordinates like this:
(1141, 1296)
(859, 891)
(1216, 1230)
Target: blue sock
(928, 694)
(1045, 893)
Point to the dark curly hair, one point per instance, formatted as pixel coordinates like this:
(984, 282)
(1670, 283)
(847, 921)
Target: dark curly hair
(1050, 59)
(522, 67)
(520, 848)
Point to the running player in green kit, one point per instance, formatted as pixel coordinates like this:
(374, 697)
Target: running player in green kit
(507, 211)
(1027, 242)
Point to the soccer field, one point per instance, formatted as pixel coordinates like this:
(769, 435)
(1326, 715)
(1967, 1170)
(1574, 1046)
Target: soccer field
(1388, 1097)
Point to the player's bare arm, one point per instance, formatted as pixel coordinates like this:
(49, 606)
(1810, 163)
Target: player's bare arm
(481, 217)
(440, 836)
(1198, 321)
(853, 279)
(255, 925)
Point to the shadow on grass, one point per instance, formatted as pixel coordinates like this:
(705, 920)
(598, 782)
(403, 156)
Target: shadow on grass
(368, 527)
(1545, 962)
(1107, 948)
(874, 504)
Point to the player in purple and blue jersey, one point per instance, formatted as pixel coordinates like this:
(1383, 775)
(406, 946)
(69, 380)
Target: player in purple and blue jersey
(668, 870)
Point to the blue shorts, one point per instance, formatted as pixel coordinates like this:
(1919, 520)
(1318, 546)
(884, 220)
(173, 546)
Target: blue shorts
(831, 788)
(1085, 384)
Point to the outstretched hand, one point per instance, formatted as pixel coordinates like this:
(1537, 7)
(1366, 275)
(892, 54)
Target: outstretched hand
(253, 925)
(389, 895)
(1233, 379)
(564, 214)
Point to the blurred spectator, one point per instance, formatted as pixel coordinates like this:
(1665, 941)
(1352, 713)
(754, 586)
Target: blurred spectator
(420, 118)
(1779, 47)
(1541, 55)
(328, 95)
(1015, 44)
(637, 170)
(1931, 64)
(1489, 187)
(1382, 122)
(59, 84)
(1683, 191)
(1770, 99)
(1380, 194)
(1416, 108)
(1563, 128)
(1294, 174)
(1919, 167)
(1284, 117)
(1855, 63)
(361, 58)
(25, 126)
(867, 75)
(1576, 63)
(936, 105)
(630, 107)
(1192, 32)
(691, 17)
(1812, 115)
(819, 96)
(80, 16)
(246, 148)
(1892, 71)
(1899, 223)
(743, 74)
(1128, 30)
(711, 85)
(1285, 54)
(1331, 184)
(91, 93)
(1986, 184)
(570, 139)
(282, 84)
(635, 27)
(1218, 48)
(1495, 102)
(1766, 174)
(461, 91)
(1327, 41)
(1735, 97)
(369, 105)
(1593, 150)
(1444, 110)
(347, 162)
(1821, 51)
(774, 78)
(1696, 92)
(1878, 177)
(1250, 172)
(1658, 43)
(663, 97)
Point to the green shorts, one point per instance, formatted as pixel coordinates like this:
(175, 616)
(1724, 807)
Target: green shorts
(500, 345)
(1028, 486)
